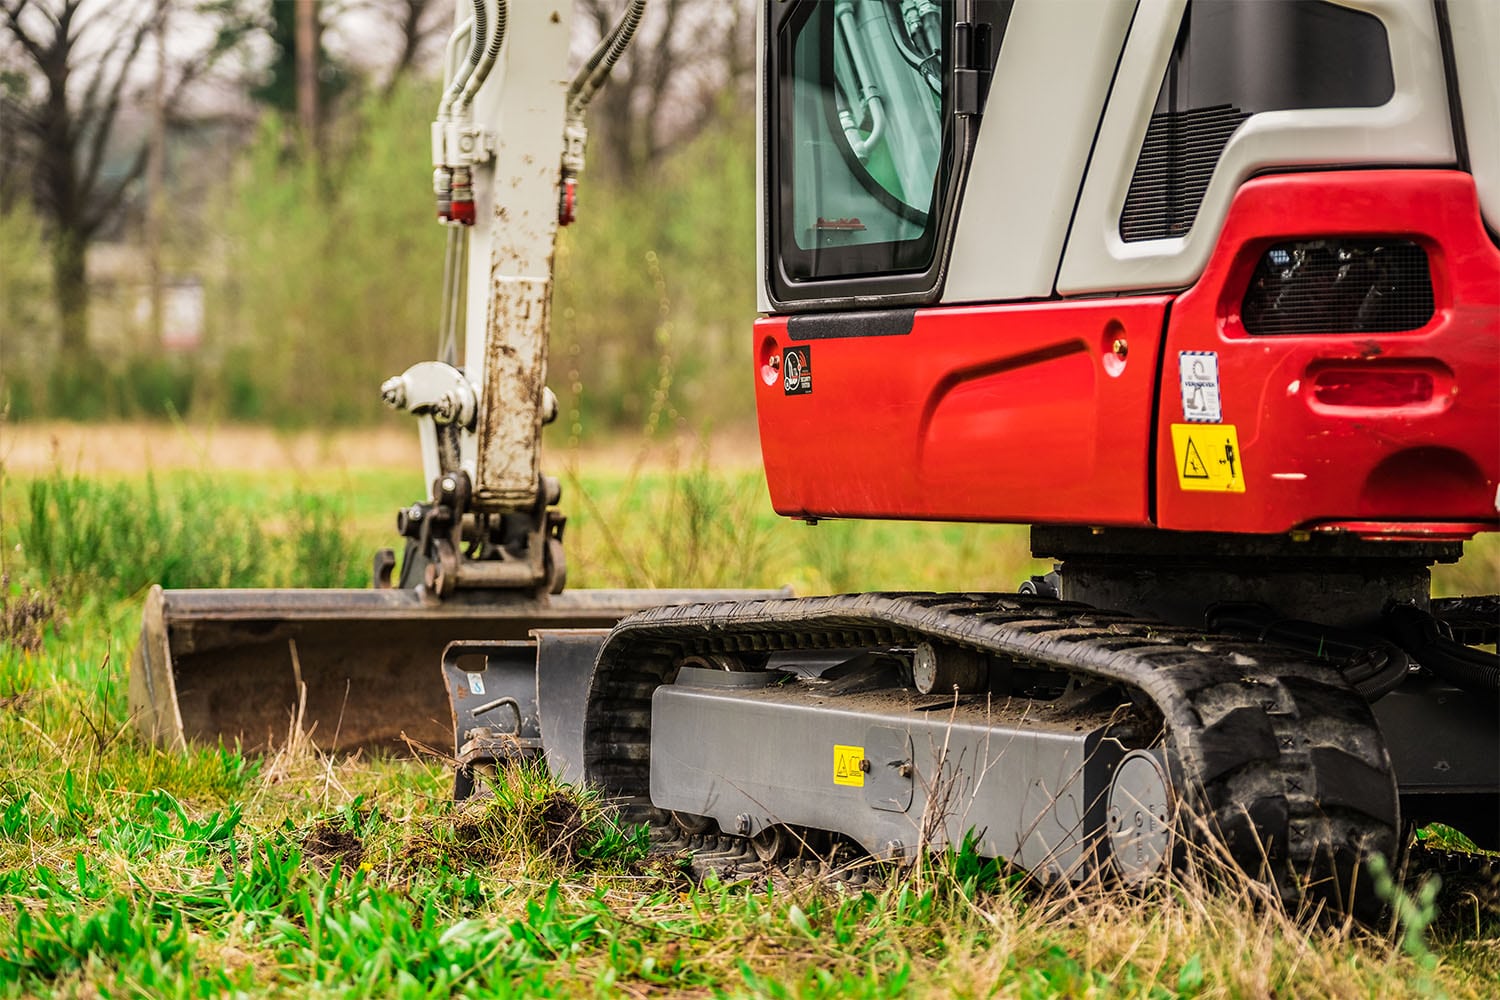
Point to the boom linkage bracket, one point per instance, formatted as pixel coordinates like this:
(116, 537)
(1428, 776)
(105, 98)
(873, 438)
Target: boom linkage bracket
(451, 545)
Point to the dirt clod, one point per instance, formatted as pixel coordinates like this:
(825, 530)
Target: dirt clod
(562, 827)
(327, 844)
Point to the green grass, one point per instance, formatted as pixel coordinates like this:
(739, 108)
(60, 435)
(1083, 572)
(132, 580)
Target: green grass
(698, 528)
(689, 527)
(128, 871)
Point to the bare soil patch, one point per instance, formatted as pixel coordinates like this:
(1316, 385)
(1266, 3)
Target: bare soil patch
(327, 844)
(129, 448)
(134, 448)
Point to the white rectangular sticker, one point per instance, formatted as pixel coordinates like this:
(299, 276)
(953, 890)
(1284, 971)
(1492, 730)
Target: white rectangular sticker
(476, 683)
(1199, 374)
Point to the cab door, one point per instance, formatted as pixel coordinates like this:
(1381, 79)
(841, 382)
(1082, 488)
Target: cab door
(890, 146)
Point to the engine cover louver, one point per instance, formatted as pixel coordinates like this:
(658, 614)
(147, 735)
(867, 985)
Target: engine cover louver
(1172, 173)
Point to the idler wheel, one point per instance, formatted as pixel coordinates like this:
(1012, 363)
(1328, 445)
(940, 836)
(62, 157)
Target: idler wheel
(1142, 815)
(693, 825)
(715, 661)
(772, 843)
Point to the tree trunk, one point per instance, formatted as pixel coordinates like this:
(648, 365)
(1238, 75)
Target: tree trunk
(308, 43)
(70, 289)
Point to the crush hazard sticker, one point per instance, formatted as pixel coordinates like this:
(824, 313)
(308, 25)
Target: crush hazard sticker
(796, 370)
(1198, 372)
(848, 765)
(1208, 458)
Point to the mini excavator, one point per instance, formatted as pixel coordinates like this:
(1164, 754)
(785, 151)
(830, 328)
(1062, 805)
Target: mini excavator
(1205, 291)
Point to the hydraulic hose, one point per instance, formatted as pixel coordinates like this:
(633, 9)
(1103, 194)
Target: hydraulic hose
(869, 95)
(601, 61)
(455, 293)
(1374, 666)
(446, 347)
(487, 61)
(1422, 635)
(476, 53)
(450, 51)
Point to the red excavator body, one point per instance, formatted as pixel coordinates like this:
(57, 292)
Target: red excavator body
(1071, 411)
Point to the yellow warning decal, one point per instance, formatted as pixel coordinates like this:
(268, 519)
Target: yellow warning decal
(847, 765)
(1208, 458)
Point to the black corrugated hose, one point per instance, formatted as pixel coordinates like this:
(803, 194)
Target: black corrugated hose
(597, 68)
(1427, 639)
(1372, 664)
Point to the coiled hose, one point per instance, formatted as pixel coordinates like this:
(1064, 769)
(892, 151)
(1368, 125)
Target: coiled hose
(487, 61)
(1429, 640)
(1374, 666)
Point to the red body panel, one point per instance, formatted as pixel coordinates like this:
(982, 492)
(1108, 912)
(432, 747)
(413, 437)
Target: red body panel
(1429, 464)
(1020, 412)
(1026, 412)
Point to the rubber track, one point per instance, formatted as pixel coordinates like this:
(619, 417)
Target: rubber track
(1274, 750)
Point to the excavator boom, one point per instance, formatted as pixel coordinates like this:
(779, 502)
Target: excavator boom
(483, 552)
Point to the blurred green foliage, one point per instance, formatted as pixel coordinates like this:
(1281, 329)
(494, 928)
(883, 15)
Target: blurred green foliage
(333, 272)
(656, 292)
(111, 539)
(28, 324)
(322, 278)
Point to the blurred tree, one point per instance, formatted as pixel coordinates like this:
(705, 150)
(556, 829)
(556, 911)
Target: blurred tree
(353, 40)
(278, 86)
(68, 68)
(656, 289)
(335, 269)
(417, 22)
(692, 62)
(78, 59)
(656, 282)
(13, 87)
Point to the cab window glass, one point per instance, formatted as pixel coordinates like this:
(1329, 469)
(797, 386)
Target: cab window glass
(863, 148)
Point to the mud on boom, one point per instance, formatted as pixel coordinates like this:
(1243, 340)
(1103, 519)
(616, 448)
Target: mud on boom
(1206, 291)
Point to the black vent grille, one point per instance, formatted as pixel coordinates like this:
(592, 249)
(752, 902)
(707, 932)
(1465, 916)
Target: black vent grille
(1339, 286)
(1172, 173)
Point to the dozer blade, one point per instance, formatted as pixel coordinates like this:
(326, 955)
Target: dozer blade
(223, 665)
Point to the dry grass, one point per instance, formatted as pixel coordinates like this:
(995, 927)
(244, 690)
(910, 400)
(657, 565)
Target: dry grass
(129, 449)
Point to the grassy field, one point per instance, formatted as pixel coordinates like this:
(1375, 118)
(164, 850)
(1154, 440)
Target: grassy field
(129, 871)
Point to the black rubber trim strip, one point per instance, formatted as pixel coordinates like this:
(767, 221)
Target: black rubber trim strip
(836, 326)
(1259, 795)
(1450, 79)
(1163, 396)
